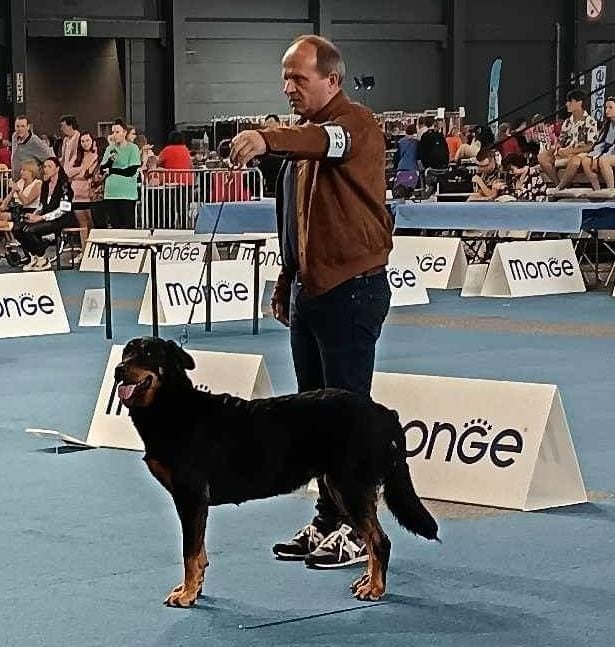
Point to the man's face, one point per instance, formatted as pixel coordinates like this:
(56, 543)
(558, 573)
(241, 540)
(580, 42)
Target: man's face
(609, 110)
(308, 92)
(487, 166)
(271, 123)
(22, 128)
(573, 106)
(65, 129)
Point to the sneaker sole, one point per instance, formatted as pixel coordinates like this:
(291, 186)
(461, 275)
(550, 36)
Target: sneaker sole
(289, 557)
(350, 562)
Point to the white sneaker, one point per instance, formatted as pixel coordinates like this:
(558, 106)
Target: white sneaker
(28, 266)
(42, 263)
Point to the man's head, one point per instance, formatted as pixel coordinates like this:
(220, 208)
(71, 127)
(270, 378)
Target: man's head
(574, 102)
(22, 126)
(515, 164)
(68, 125)
(148, 363)
(485, 159)
(312, 71)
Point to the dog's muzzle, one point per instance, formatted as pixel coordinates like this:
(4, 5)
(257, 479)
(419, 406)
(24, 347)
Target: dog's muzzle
(127, 391)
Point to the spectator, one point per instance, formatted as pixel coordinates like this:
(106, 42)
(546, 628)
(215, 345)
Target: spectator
(70, 141)
(506, 143)
(270, 164)
(469, 150)
(24, 193)
(487, 183)
(146, 151)
(122, 163)
(602, 156)
(131, 134)
(432, 147)
(578, 135)
(407, 175)
(84, 168)
(25, 145)
(453, 141)
(5, 153)
(541, 133)
(176, 156)
(52, 216)
(526, 182)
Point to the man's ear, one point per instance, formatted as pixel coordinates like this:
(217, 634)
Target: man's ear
(180, 356)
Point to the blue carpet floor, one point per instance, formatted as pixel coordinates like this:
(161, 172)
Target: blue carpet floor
(89, 543)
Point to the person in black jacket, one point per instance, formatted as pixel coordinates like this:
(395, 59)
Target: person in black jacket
(52, 216)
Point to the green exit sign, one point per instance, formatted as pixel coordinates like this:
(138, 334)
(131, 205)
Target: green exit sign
(75, 27)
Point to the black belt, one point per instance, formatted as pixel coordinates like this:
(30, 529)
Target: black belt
(372, 272)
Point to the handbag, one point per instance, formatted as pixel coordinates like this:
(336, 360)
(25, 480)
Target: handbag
(97, 185)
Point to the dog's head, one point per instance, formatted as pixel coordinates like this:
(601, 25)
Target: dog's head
(147, 364)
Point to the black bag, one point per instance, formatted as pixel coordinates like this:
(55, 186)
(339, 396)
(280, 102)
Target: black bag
(458, 179)
(16, 255)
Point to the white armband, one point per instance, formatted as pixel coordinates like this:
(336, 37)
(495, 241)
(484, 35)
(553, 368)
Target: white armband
(339, 142)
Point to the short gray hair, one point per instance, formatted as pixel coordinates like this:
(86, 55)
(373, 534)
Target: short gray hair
(328, 57)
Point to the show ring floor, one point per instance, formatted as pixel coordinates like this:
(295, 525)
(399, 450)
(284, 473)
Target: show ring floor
(89, 542)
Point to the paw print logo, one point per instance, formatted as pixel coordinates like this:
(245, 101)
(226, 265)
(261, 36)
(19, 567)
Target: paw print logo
(202, 387)
(478, 424)
(552, 259)
(26, 295)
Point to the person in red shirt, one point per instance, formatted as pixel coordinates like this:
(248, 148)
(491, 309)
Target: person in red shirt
(175, 155)
(5, 153)
(506, 143)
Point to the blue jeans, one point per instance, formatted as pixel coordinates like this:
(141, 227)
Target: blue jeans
(333, 339)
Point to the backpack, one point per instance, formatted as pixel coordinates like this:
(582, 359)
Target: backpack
(433, 150)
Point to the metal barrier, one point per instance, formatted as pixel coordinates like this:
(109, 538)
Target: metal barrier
(5, 179)
(171, 199)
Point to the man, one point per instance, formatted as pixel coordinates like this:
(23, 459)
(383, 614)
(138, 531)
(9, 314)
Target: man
(25, 145)
(487, 182)
(335, 236)
(70, 140)
(578, 135)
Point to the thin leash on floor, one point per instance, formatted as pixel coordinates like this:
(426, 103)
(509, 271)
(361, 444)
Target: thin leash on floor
(229, 179)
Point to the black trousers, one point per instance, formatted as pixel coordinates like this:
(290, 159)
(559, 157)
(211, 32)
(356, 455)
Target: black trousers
(119, 214)
(31, 236)
(333, 339)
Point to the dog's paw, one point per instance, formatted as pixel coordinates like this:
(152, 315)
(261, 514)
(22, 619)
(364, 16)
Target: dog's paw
(369, 592)
(182, 597)
(362, 581)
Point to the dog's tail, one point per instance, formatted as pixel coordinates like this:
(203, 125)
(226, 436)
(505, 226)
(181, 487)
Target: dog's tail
(399, 492)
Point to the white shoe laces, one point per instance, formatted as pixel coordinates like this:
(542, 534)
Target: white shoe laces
(341, 535)
(314, 536)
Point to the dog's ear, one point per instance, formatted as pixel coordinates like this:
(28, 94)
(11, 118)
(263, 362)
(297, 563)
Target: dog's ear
(180, 356)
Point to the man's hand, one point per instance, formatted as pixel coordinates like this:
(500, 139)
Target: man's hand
(32, 218)
(564, 153)
(280, 301)
(246, 146)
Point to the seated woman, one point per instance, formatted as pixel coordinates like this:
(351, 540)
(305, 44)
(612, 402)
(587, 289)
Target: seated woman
(53, 215)
(526, 182)
(25, 193)
(602, 155)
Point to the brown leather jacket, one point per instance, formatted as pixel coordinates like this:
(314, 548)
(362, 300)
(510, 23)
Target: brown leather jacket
(343, 227)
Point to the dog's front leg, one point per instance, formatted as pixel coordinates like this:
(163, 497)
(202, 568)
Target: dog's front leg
(192, 511)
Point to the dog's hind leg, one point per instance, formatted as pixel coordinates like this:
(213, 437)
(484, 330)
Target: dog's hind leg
(360, 506)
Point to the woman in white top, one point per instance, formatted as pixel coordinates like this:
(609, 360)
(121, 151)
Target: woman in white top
(25, 192)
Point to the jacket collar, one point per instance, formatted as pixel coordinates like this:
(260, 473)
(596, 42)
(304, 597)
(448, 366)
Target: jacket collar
(331, 110)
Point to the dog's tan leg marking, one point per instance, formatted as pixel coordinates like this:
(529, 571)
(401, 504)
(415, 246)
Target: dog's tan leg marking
(371, 586)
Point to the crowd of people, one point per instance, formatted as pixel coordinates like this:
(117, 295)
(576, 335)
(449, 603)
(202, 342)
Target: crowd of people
(522, 160)
(77, 179)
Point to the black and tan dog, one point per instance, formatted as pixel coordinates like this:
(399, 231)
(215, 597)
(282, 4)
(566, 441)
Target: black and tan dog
(210, 449)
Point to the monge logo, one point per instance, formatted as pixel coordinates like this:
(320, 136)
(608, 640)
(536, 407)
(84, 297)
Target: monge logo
(551, 268)
(266, 257)
(222, 292)
(400, 278)
(96, 252)
(476, 442)
(431, 263)
(181, 253)
(26, 305)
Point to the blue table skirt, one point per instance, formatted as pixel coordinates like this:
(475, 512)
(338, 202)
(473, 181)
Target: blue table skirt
(238, 217)
(559, 217)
